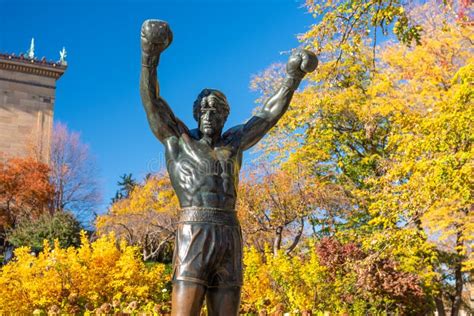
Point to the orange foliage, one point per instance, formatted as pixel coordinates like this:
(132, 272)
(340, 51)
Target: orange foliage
(25, 190)
(274, 207)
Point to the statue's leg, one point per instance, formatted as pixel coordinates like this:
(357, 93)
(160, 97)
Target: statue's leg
(187, 298)
(225, 283)
(190, 269)
(223, 301)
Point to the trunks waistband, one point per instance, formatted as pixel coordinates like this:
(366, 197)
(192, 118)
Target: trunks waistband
(208, 215)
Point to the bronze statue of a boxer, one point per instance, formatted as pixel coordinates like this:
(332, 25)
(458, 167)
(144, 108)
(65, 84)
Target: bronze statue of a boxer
(203, 165)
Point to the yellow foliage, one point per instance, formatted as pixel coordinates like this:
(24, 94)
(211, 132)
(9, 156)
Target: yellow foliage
(257, 293)
(391, 125)
(76, 279)
(146, 218)
(155, 194)
(299, 285)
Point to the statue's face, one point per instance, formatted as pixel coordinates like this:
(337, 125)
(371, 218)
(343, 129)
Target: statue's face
(212, 118)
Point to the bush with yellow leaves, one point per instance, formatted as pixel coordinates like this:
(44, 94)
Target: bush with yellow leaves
(274, 284)
(103, 276)
(106, 277)
(328, 276)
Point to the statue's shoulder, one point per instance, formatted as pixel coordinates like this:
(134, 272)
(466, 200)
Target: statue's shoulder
(190, 136)
(233, 134)
(194, 134)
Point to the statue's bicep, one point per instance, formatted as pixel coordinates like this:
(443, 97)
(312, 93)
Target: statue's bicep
(163, 122)
(253, 131)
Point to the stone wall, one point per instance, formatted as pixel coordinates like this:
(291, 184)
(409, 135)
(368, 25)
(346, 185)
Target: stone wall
(27, 94)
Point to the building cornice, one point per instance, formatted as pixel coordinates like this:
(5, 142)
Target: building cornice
(32, 66)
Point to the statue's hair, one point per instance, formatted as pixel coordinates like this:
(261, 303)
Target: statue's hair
(223, 104)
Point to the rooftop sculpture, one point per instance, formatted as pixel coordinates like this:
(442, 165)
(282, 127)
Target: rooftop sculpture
(31, 51)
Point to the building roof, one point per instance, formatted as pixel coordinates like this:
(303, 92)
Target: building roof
(40, 67)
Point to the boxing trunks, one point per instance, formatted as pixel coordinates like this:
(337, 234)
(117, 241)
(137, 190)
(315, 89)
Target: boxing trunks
(208, 248)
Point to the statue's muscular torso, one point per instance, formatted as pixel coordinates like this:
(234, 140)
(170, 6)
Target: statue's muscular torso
(203, 175)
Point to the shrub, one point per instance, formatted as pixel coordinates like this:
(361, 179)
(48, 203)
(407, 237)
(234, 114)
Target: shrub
(62, 226)
(103, 276)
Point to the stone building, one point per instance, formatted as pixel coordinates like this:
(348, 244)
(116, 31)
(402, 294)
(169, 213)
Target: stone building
(27, 94)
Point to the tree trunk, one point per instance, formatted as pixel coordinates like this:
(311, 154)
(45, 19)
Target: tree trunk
(145, 250)
(440, 305)
(277, 241)
(297, 238)
(458, 277)
(458, 291)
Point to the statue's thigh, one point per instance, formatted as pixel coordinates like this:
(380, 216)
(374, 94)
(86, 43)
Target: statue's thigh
(187, 298)
(223, 301)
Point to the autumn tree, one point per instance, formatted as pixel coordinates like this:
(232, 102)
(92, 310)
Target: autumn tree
(277, 207)
(25, 192)
(429, 170)
(73, 174)
(34, 196)
(146, 218)
(390, 124)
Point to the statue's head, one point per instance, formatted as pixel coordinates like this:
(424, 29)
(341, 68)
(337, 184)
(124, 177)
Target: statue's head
(210, 110)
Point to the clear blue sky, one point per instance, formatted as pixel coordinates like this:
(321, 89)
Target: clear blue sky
(217, 44)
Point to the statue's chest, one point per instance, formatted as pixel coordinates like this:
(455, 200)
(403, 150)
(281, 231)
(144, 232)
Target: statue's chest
(204, 159)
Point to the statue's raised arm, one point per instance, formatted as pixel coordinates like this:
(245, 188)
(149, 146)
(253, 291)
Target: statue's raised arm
(248, 134)
(156, 36)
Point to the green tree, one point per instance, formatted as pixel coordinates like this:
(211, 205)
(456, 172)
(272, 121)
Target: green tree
(126, 185)
(62, 226)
